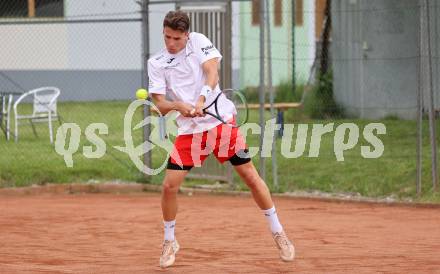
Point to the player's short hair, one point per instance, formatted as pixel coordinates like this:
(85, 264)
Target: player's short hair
(176, 20)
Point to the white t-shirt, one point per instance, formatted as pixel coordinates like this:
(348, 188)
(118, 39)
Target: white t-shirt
(180, 76)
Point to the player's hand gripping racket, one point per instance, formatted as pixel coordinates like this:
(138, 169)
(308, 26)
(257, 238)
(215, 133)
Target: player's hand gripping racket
(239, 101)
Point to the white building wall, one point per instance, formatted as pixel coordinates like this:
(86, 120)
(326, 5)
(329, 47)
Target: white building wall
(33, 47)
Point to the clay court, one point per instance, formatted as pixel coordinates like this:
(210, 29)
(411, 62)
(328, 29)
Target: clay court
(122, 233)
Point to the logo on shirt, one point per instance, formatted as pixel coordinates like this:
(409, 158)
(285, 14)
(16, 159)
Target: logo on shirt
(172, 66)
(207, 49)
(158, 58)
(171, 60)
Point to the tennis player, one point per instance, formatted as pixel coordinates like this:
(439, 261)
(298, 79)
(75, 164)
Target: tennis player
(183, 76)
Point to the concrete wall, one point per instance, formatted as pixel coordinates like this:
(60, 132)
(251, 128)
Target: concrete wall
(435, 48)
(91, 61)
(79, 85)
(375, 47)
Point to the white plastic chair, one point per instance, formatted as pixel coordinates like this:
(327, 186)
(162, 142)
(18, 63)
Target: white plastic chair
(44, 108)
(5, 110)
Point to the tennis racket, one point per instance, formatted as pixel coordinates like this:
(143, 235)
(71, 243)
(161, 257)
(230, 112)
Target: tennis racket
(238, 99)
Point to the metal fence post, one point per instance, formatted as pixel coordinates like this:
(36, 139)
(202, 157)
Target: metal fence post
(145, 56)
(271, 93)
(293, 3)
(419, 109)
(261, 94)
(432, 129)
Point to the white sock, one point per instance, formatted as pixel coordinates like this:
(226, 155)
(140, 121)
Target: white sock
(169, 230)
(272, 219)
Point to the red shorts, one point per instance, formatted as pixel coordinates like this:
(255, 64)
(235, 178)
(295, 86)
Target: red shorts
(223, 141)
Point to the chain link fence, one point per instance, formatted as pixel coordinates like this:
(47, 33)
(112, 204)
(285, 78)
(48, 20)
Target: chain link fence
(360, 79)
(92, 52)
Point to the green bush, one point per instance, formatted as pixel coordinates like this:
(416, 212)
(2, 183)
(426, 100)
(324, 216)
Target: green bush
(251, 94)
(283, 93)
(320, 104)
(286, 93)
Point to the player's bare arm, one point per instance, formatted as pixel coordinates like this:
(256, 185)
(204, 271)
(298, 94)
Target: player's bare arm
(210, 69)
(166, 106)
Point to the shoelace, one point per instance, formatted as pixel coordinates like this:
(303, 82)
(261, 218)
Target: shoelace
(167, 245)
(282, 240)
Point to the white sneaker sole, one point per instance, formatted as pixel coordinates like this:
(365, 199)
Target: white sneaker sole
(289, 259)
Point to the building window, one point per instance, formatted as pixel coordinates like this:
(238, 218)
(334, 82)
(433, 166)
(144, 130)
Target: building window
(49, 8)
(319, 19)
(255, 12)
(32, 8)
(299, 12)
(278, 12)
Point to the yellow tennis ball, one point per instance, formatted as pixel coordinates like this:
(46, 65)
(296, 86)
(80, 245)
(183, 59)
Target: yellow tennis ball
(141, 94)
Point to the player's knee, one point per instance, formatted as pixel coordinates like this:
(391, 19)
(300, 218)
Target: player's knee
(169, 188)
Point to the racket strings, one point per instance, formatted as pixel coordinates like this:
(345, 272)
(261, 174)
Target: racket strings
(240, 104)
(238, 100)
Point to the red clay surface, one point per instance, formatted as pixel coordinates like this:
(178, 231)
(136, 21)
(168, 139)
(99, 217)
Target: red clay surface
(110, 233)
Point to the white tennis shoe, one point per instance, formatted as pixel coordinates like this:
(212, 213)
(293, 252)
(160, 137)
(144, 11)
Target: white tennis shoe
(286, 248)
(169, 250)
